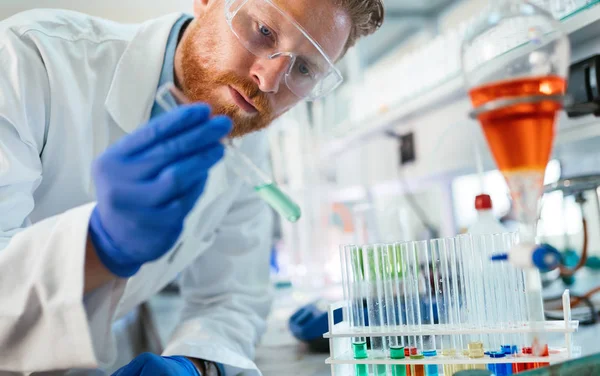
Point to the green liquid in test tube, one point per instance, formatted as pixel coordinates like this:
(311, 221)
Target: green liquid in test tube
(169, 97)
(354, 276)
(398, 353)
(279, 201)
(360, 352)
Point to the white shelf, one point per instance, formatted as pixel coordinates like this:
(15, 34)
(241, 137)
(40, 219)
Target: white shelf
(344, 330)
(580, 27)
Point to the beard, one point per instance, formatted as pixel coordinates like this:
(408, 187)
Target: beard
(201, 78)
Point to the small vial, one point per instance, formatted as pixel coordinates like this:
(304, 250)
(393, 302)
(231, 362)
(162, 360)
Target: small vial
(516, 367)
(417, 369)
(360, 352)
(476, 352)
(408, 351)
(431, 369)
(450, 369)
(499, 369)
(397, 352)
(527, 351)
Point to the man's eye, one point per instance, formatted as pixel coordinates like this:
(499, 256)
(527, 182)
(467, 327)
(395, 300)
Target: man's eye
(265, 31)
(304, 69)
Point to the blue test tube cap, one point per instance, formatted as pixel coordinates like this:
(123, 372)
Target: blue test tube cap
(546, 258)
(429, 352)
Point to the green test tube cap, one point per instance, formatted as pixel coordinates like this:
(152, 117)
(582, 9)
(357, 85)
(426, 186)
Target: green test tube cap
(397, 352)
(360, 350)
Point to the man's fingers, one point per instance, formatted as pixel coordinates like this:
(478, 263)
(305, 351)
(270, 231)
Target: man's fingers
(150, 163)
(163, 127)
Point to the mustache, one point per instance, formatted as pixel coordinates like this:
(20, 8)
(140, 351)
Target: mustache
(247, 87)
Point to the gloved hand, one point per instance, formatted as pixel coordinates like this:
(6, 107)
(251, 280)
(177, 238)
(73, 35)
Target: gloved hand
(148, 182)
(153, 365)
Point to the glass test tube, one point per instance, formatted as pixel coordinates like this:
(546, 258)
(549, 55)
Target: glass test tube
(431, 369)
(429, 256)
(469, 282)
(372, 260)
(476, 352)
(446, 298)
(475, 296)
(391, 257)
(417, 369)
(486, 246)
(169, 97)
(412, 294)
(355, 272)
(499, 369)
(408, 292)
(502, 292)
(513, 295)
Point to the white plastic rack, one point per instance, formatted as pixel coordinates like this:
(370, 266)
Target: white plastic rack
(342, 360)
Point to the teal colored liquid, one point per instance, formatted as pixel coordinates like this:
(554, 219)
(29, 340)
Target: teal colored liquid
(279, 201)
(380, 370)
(360, 352)
(362, 370)
(397, 352)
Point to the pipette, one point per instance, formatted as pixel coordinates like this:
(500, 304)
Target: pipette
(169, 97)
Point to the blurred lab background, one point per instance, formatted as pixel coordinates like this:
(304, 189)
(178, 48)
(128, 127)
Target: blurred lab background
(391, 156)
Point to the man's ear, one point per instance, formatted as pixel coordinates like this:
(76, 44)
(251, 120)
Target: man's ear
(200, 6)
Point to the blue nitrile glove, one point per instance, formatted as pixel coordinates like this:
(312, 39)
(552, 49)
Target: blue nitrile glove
(149, 364)
(148, 182)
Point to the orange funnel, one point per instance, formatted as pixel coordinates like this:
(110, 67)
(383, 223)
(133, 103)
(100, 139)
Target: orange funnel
(521, 135)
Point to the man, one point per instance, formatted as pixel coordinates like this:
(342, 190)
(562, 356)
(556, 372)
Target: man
(104, 198)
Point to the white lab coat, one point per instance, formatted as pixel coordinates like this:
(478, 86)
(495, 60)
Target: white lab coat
(70, 85)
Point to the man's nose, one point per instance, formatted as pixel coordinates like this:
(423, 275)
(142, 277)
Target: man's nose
(268, 73)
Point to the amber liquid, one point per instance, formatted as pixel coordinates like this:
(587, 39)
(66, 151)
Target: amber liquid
(520, 136)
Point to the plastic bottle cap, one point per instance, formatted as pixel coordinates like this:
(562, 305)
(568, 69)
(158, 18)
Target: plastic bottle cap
(483, 202)
(413, 350)
(397, 352)
(429, 352)
(507, 349)
(497, 354)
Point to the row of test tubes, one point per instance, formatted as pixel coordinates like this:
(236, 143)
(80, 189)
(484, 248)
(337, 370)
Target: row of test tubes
(418, 289)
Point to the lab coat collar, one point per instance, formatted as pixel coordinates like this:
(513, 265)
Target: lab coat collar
(135, 81)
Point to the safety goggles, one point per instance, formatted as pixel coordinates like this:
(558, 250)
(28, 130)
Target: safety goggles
(269, 32)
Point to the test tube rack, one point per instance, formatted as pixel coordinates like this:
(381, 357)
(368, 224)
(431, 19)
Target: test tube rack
(433, 296)
(342, 358)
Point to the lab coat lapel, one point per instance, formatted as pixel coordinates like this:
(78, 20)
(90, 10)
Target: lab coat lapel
(135, 81)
